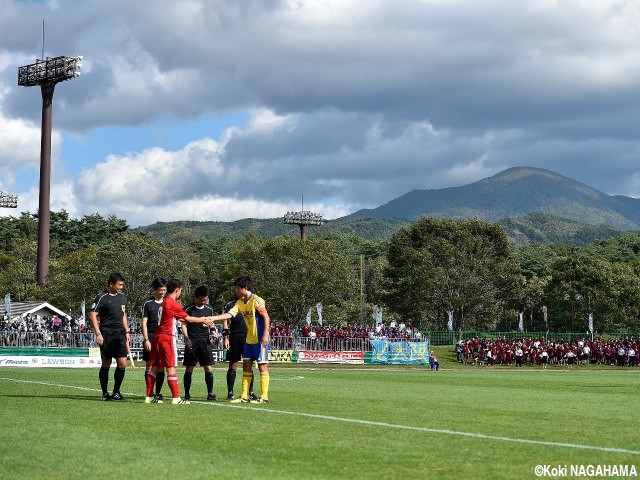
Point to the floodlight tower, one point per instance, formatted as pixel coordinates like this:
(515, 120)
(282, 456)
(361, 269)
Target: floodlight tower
(46, 73)
(302, 219)
(8, 201)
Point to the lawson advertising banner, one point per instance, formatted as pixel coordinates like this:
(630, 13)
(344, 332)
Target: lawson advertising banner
(66, 362)
(33, 357)
(384, 351)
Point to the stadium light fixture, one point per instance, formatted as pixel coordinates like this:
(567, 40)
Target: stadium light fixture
(302, 219)
(51, 70)
(8, 201)
(46, 73)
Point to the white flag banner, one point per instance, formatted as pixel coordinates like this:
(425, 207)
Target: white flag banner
(450, 321)
(378, 315)
(521, 322)
(309, 316)
(83, 309)
(319, 308)
(591, 323)
(7, 304)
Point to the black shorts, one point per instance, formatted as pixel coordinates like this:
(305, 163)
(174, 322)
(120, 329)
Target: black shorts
(114, 343)
(200, 352)
(236, 346)
(146, 354)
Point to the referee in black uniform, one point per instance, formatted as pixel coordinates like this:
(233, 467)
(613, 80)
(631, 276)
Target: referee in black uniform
(198, 343)
(234, 332)
(112, 334)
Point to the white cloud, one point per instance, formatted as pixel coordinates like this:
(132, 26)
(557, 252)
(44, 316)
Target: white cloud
(352, 102)
(19, 138)
(152, 177)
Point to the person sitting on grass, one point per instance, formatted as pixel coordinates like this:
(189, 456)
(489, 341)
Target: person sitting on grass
(433, 361)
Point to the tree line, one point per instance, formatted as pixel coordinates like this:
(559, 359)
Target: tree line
(424, 273)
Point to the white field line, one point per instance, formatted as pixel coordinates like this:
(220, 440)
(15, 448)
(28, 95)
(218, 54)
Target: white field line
(367, 422)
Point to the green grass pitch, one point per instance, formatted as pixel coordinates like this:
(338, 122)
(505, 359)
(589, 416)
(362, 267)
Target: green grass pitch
(327, 422)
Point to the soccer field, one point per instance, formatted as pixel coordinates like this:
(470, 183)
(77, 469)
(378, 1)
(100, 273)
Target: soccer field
(384, 422)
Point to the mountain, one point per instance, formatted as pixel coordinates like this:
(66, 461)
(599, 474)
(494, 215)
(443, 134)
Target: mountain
(512, 193)
(532, 227)
(533, 205)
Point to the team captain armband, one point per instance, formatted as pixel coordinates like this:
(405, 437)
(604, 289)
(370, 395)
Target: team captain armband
(225, 332)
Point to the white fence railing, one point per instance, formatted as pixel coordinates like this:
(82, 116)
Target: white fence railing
(9, 338)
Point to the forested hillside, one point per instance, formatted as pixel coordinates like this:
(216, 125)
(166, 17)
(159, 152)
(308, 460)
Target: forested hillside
(530, 228)
(418, 274)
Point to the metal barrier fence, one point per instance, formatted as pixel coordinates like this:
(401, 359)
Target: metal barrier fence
(11, 338)
(450, 338)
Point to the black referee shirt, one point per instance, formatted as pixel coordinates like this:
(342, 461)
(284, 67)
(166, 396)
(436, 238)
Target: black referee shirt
(151, 310)
(198, 330)
(110, 308)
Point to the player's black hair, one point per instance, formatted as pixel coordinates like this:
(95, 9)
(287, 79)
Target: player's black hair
(201, 291)
(114, 278)
(173, 285)
(158, 282)
(244, 282)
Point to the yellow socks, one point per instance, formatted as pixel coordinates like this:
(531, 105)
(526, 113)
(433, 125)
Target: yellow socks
(246, 381)
(264, 385)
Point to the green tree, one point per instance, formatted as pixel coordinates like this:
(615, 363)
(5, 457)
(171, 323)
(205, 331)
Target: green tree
(622, 248)
(141, 258)
(77, 277)
(83, 273)
(24, 227)
(441, 265)
(293, 275)
(18, 272)
(583, 284)
(216, 257)
(535, 259)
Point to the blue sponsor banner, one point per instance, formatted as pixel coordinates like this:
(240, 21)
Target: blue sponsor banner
(379, 351)
(384, 351)
(419, 352)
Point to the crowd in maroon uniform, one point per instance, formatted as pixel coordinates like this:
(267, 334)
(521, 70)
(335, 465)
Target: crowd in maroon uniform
(538, 352)
(392, 332)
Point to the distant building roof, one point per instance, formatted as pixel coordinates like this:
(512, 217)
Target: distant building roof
(41, 308)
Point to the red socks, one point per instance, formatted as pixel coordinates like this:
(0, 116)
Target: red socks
(150, 379)
(173, 386)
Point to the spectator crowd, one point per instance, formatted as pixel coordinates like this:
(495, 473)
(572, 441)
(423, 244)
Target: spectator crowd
(67, 331)
(538, 352)
(394, 331)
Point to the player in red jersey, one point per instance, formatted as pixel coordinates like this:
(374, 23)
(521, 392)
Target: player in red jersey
(164, 352)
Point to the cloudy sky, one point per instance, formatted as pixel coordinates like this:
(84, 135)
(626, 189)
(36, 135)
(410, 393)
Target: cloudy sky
(220, 110)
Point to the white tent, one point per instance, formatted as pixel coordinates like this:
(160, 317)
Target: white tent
(21, 309)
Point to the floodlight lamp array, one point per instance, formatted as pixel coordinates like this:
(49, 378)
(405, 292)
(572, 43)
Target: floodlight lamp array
(51, 70)
(303, 218)
(8, 201)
